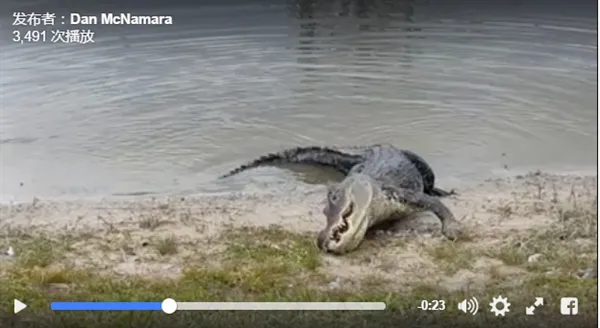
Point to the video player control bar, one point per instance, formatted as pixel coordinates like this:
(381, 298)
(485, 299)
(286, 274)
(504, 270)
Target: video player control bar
(169, 306)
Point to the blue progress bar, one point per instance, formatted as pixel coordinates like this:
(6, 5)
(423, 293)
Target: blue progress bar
(106, 306)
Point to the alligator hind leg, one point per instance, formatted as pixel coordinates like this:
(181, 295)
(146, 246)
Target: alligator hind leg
(427, 174)
(451, 228)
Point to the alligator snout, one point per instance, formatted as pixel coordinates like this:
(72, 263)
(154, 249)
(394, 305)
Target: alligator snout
(322, 239)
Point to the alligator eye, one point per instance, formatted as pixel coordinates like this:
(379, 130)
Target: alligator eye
(348, 211)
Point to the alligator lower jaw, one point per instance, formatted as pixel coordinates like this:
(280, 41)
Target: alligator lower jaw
(339, 230)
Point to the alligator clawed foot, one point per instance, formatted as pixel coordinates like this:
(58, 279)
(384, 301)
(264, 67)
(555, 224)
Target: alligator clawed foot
(452, 229)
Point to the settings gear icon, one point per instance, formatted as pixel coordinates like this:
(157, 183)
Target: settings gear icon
(500, 300)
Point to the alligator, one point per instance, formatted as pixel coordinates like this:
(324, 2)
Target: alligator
(381, 184)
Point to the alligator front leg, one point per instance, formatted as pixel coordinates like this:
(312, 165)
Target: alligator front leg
(451, 228)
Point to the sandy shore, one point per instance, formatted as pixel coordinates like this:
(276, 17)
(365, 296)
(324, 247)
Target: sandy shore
(123, 237)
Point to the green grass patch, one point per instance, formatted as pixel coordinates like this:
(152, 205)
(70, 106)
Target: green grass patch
(268, 264)
(568, 246)
(452, 256)
(167, 246)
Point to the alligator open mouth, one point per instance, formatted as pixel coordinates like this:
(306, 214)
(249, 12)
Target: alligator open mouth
(344, 225)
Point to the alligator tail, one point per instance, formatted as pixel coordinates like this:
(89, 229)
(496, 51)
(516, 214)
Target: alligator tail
(312, 155)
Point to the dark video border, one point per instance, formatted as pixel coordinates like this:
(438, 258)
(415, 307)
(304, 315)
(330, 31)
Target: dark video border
(289, 319)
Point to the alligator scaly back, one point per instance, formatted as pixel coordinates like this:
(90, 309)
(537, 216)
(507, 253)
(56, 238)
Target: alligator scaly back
(312, 155)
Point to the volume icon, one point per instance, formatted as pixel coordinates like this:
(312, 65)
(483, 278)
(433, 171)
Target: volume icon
(469, 306)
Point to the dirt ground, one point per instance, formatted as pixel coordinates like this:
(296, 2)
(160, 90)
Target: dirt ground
(504, 219)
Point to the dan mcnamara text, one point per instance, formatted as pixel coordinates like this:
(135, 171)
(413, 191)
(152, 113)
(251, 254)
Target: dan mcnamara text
(119, 19)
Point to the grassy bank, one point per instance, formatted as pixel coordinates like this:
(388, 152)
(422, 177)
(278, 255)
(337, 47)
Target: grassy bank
(528, 245)
(274, 265)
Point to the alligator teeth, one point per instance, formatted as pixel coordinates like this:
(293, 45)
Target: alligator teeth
(337, 236)
(336, 233)
(343, 226)
(349, 210)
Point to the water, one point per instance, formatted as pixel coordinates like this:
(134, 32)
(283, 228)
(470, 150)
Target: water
(478, 89)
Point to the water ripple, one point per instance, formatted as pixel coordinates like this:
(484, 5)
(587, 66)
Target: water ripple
(143, 107)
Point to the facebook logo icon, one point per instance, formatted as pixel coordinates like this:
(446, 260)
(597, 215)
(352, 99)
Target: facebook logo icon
(568, 305)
